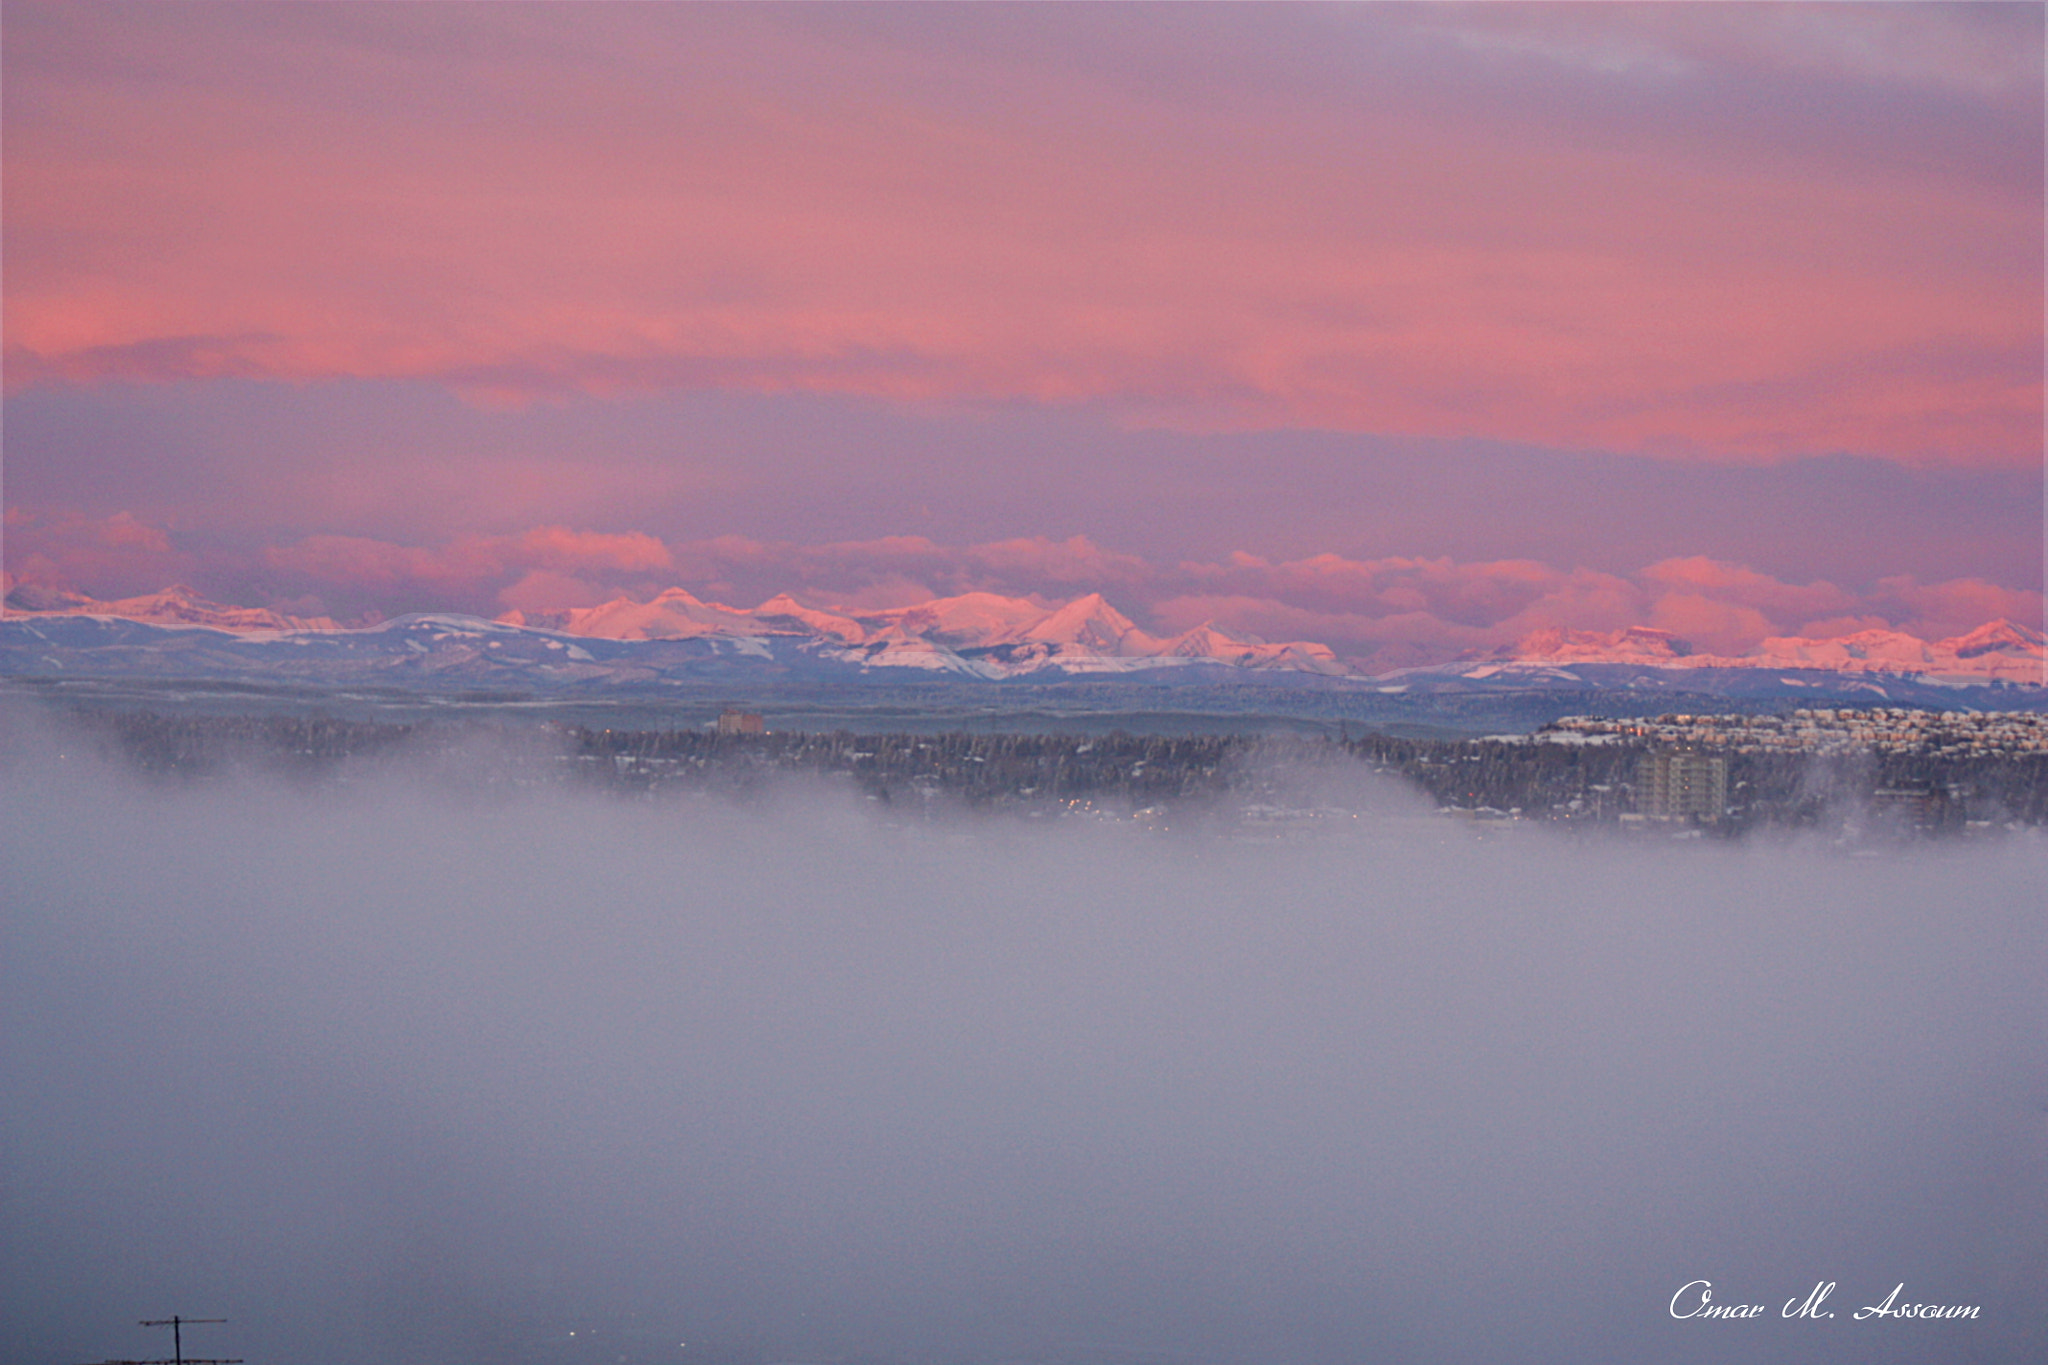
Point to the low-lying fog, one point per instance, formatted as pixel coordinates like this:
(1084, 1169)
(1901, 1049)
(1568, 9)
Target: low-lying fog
(383, 1072)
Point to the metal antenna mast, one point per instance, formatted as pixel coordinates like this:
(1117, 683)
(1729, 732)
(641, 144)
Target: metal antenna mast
(177, 1326)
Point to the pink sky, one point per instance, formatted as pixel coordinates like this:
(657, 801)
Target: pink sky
(1715, 238)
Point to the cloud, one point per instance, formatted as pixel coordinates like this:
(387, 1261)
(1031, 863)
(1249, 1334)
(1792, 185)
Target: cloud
(882, 570)
(373, 565)
(1717, 627)
(1935, 610)
(469, 1075)
(469, 564)
(542, 590)
(1983, 51)
(560, 547)
(117, 554)
(1728, 608)
(1474, 603)
(1352, 220)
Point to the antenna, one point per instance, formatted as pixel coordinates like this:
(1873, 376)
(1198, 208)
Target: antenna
(177, 1326)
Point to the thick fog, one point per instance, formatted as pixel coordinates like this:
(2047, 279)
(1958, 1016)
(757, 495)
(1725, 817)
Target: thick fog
(387, 1071)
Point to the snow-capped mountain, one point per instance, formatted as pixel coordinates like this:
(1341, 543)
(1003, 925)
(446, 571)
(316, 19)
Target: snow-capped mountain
(977, 633)
(676, 637)
(177, 605)
(673, 615)
(2000, 650)
(1636, 645)
(975, 637)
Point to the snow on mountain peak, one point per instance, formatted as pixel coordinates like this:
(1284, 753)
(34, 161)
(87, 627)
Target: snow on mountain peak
(1996, 650)
(783, 612)
(989, 635)
(1635, 644)
(1207, 642)
(1093, 624)
(673, 615)
(1887, 649)
(971, 620)
(177, 605)
(2000, 636)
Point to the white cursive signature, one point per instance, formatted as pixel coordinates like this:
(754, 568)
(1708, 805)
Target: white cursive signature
(1695, 1299)
(1698, 1296)
(1892, 1308)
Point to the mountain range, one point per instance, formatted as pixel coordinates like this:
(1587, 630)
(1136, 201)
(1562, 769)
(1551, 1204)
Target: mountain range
(974, 636)
(1995, 650)
(977, 632)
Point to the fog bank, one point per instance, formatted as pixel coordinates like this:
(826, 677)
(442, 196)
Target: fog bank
(378, 1072)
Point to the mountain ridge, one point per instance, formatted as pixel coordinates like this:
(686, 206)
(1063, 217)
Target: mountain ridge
(991, 636)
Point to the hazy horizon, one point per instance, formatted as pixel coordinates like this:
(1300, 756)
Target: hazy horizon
(381, 1069)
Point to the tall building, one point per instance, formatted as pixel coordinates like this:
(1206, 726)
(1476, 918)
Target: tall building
(1677, 786)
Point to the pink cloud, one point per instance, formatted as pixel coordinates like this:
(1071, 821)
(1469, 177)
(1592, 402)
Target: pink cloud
(123, 532)
(375, 565)
(558, 546)
(851, 572)
(543, 558)
(778, 200)
(1735, 583)
(545, 590)
(1938, 610)
(1075, 560)
(1484, 596)
(1385, 641)
(107, 556)
(1717, 627)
